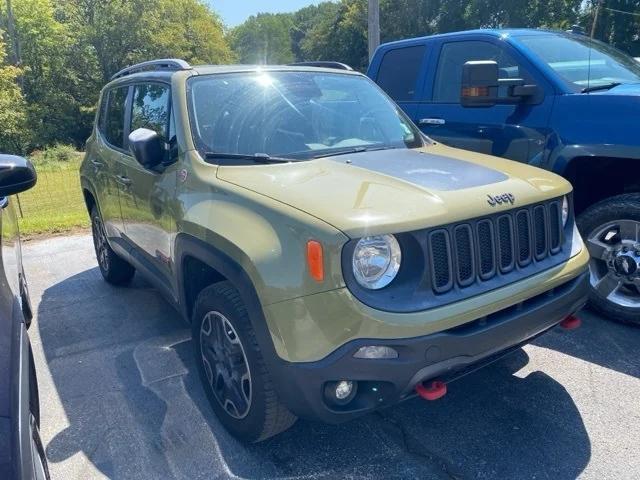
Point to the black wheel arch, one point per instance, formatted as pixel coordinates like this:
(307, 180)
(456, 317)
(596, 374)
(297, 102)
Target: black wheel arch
(616, 175)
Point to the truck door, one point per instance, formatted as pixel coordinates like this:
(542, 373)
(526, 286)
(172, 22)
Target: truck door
(517, 132)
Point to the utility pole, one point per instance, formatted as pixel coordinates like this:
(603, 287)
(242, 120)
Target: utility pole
(374, 26)
(595, 17)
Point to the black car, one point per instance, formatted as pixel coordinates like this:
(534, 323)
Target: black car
(21, 452)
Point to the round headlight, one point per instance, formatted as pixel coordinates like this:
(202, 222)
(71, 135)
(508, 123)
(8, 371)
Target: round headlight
(376, 261)
(565, 210)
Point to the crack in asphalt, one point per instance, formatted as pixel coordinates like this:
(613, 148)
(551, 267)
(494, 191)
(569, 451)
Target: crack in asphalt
(413, 446)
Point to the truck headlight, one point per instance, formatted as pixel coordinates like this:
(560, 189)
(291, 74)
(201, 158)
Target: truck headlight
(376, 261)
(565, 210)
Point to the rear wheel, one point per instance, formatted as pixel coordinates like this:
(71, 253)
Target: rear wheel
(232, 368)
(611, 229)
(114, 269)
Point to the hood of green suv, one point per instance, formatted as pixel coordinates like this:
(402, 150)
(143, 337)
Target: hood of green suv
(390, 191)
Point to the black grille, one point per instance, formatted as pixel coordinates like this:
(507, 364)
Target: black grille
(464, 254)
(476, 251)
(539, 227)
(441, 260)
(486, 249)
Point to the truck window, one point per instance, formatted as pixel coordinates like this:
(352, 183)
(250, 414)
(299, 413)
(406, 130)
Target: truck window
(454, 55)
(398, 73)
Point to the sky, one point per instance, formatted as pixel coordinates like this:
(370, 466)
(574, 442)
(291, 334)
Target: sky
(234, 12)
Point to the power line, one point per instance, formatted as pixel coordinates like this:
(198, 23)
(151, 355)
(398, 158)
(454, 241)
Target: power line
(622, 11)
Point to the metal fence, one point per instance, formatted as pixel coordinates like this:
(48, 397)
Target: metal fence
(55, 204)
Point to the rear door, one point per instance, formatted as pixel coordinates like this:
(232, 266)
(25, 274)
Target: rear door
(107, 156)
(517, 132)
(400, 73)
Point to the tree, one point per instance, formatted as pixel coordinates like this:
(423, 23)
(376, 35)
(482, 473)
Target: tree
(264, 39)
(12, 107)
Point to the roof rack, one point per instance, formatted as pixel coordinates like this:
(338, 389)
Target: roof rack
(336, 65)
(161, 64)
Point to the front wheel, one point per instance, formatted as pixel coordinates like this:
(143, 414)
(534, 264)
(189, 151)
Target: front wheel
(232, 369)
(611, 229)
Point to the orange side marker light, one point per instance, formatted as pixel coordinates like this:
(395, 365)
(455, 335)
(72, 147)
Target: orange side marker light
(315, 260)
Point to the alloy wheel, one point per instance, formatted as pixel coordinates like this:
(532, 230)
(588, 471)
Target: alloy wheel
(100, 243)
(225, 364)
(615, 262)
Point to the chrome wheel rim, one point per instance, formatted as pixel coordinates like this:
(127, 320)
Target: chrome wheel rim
(100, 243)
(614, 267)
(225, 365)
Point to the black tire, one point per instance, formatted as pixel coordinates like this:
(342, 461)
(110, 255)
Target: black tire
(265, 416)
(113, 268)
(618, 208)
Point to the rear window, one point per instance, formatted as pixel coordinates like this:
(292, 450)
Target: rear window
(114, 117)
(399, 70)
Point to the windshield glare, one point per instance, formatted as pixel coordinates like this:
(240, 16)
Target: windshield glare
(294, 114)
(580, 66)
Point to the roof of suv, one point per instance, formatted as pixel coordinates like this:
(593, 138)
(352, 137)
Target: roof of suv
(166, 74)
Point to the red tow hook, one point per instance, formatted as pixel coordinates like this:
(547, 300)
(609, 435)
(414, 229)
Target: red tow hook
(435, 390)
(571, 322)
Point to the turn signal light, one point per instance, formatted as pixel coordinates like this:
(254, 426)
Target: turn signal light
(315, 260)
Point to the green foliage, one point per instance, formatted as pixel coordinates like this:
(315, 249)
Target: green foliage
(13, 120)
(56, 157)
(68, 49)
(264, 39)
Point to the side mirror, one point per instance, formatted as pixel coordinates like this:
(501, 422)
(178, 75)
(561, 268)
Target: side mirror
(481, 86)
(147, 147)
(16, 175)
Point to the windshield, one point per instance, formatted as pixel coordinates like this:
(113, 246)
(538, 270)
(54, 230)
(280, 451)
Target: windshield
(297, 115)
(580, 66)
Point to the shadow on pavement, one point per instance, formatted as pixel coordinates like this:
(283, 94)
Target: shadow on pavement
(602, 342)
(122, 366)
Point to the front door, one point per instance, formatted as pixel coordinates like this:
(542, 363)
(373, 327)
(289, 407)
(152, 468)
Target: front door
(146, 195)
(517, 132)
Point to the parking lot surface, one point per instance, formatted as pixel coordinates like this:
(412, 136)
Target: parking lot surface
(121, 399)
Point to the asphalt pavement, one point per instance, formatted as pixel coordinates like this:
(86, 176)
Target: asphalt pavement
(121, 399)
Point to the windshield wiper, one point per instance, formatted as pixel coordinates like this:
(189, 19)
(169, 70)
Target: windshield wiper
(606, 86)
(256, 157)
(348, 151)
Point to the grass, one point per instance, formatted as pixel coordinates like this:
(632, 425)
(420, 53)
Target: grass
(55, 204)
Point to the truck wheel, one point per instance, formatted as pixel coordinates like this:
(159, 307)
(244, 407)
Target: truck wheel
(114, 269)
(611, 229)
(232, 369)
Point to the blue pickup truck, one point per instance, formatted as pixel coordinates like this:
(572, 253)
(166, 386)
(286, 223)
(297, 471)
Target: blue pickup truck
(557, 100)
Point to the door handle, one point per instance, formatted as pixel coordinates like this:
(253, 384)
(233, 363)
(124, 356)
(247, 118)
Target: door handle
(123, 180)
(431, 121)
(96, 163)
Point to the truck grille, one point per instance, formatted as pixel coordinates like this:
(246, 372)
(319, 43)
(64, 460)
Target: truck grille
(479, 250)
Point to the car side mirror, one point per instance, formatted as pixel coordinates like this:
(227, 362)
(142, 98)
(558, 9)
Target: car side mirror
(147, 147)
(481, 86)
(16, 175)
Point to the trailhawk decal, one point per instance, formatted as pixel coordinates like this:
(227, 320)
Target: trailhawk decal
(425, 170)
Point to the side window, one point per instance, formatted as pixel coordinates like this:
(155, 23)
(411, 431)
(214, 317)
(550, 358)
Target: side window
(114, 118)
(151, 108)
(399, 70)
(454, 55)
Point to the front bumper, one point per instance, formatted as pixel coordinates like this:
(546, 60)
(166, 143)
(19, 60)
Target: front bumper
(381, 383)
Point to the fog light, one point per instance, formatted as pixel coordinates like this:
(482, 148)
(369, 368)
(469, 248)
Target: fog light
(376, 351)
(344, 389)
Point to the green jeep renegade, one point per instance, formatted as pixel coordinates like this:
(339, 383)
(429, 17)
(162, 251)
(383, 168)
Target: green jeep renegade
(330, 258)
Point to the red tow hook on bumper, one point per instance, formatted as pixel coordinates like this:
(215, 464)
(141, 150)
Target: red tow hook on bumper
(571, 322)
(433, 391)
